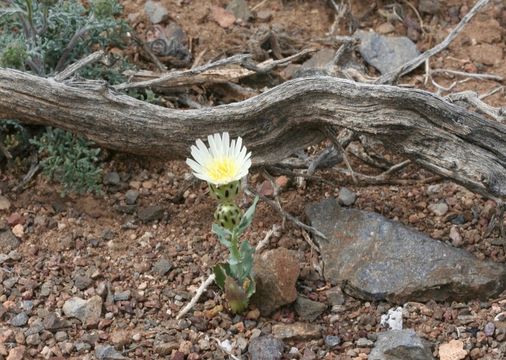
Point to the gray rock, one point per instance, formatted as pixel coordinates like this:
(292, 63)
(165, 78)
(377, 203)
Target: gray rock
(87, 311)
(60, 336)
(46, 288)
(400, 344)
(265, 348)
(489, 329)
(35, 327)
(82, 346)
(276, 272)
(3, 258)
(346, 197)
(321, 63)
(367, 254)
(150, 213)
(335, 296)
(8, 241)
(385, 53)
(107, 352)
(19, 320)
(112, 178)
(429, 6)
(156, 12)
(308, 309)
(331, 341)
(439, 209)
(82, 282)
(162, 266)
(240, 9)
(363, 342)
(131, 196)
(5, 204)
(165, 349)
(297, 331)
(33, 339)
(122, 295)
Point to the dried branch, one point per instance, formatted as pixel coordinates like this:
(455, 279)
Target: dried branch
(392, 77)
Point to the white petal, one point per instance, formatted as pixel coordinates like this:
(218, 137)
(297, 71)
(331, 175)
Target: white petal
(204, 151)
(238, 147)
(194, 165)
(225, 143)
(212, 146)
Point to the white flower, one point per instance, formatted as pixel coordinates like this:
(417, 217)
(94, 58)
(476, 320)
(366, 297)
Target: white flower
(223, 162)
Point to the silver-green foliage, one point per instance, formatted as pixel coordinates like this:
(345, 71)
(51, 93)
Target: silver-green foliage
(70, 160)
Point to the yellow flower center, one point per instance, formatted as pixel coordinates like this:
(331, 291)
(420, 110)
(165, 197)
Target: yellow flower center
(222, 169)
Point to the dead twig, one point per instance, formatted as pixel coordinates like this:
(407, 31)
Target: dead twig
(273, 231)
(149, 52)
(466, 74)
(472, 98)
(392, 77)
(283, 213)
(196, 297)
(331, 134)
(236, 59)
(72, 69)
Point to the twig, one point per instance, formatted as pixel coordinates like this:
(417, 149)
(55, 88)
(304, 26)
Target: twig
(3, 150)
(150, 53)
(72, 43)
(491, 92)
(469, 75)
(331, 134)
(34, 169)
(70, 70)
(196, 297)
(268, 235)
(283, 213)
(420, 20)
(236, 59)
(269, 65)
(261, 3)
(311, 243)
(414, 63)
(363, 155)
(382, 179)
(472, 98)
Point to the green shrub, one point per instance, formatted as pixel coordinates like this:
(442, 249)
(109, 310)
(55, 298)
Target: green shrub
(70, 160)
(46, 36)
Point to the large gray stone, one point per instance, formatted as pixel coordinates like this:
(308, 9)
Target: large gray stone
(400, 345)
(88, 311)
(156, 12)
(374, 258)
(240, 9)
(385, 53)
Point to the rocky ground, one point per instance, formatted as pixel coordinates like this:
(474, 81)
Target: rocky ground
(85, 277)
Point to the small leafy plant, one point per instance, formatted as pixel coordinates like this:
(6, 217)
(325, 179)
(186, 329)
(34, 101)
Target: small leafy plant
(222, 166)
(70, 160)
(44, 37)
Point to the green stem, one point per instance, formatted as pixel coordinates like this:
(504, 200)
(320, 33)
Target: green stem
(234, 248)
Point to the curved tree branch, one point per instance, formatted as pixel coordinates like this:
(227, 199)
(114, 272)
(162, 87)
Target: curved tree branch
(442, 137)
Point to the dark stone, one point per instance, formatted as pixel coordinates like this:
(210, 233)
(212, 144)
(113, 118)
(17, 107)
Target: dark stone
(19, 320)
(82, 282)
(331, 341)
(321, 63)
(131, 196)
(367, 253)
(400, 344)
(385, 53)
(8, 241)
(346, 197)
(240, 9)
(265, 348)
(107, 352)
(150, 213)
(156, 12)
(112, 178)
(308, 309)
(162, 266)
(53, 323)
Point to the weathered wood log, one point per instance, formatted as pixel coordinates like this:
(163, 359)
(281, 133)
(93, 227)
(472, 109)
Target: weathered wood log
(442, 137)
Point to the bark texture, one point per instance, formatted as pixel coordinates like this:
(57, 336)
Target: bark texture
(442, 137)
